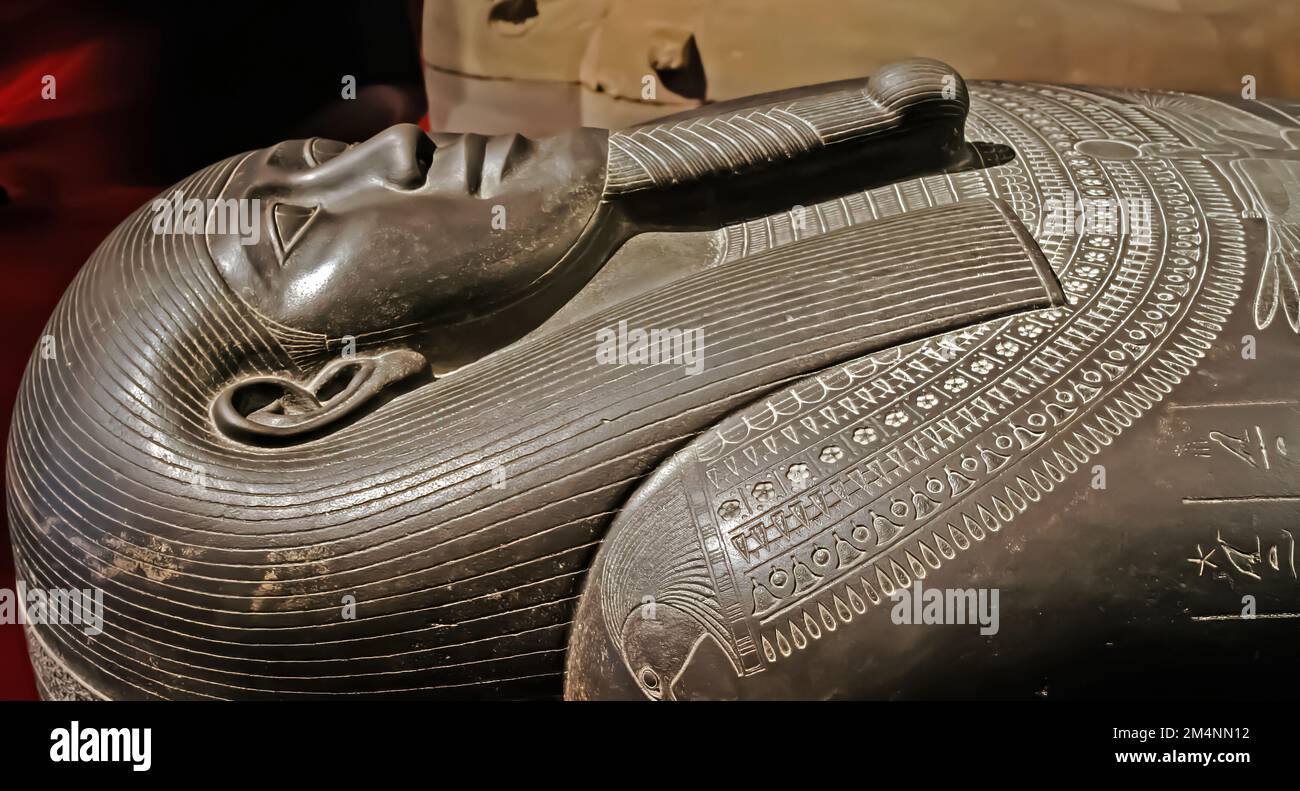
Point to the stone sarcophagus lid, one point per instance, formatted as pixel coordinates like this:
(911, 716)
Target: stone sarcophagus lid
(888, 388)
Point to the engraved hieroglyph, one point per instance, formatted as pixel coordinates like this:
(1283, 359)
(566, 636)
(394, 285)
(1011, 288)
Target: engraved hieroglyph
(812, 506)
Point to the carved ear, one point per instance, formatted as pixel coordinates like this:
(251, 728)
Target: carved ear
(272, 409)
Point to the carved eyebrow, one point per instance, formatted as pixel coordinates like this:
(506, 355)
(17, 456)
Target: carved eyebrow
(320, 150)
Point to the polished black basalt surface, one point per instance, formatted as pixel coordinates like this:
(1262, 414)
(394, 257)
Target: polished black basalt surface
(381, 449)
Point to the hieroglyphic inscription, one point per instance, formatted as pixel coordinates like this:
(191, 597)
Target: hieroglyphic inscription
(835, 493)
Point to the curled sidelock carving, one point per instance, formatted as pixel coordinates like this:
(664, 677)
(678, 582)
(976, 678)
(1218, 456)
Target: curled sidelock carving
(244, 410)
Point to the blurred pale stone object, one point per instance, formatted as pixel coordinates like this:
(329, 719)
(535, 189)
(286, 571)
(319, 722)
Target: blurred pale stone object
(554, 64)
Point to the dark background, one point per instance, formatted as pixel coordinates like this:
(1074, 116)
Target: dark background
(147, 93)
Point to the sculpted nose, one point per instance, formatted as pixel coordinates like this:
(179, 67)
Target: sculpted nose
(399, 157)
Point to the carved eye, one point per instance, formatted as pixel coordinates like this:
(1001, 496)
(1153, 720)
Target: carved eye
(290, 221)
(650, 679)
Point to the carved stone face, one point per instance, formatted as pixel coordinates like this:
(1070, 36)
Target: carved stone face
(406, 228)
